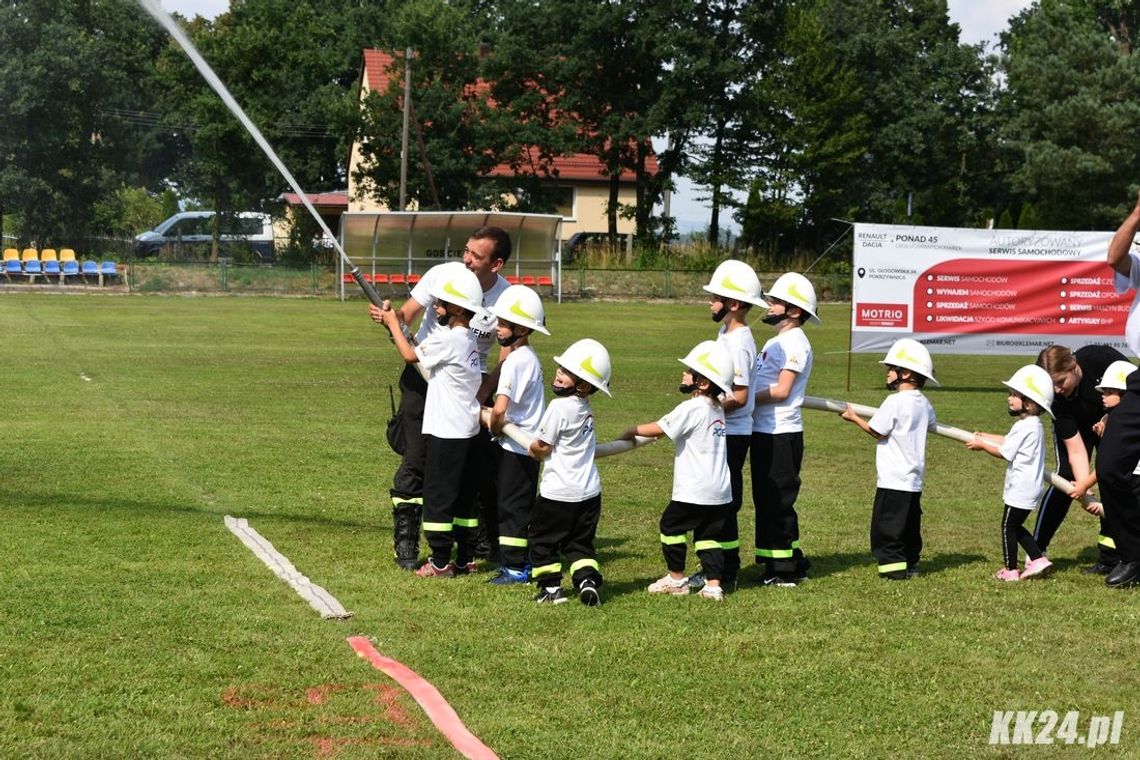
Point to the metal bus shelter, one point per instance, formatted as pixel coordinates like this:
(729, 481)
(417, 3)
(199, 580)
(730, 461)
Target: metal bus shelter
(394, 248)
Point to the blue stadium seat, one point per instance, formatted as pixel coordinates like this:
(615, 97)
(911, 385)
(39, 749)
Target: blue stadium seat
(12, 268)
(70, 267)
(108, 270)
(51, 267)
(90, 269)
(32, 267)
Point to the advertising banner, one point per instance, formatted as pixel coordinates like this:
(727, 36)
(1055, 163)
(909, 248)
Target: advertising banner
(968, 291)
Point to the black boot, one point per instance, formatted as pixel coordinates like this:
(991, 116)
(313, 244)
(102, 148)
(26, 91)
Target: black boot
(406, 518)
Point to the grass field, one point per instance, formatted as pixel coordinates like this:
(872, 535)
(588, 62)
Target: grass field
(134, 624)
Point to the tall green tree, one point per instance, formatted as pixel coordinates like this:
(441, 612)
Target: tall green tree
(1071, 110)
(888, 113)
(70, 76)
(726, 53)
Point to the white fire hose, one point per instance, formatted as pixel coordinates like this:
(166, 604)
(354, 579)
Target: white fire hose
(607, 449)
(947, 431)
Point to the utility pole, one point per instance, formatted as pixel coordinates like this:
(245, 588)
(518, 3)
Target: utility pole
(404, 141)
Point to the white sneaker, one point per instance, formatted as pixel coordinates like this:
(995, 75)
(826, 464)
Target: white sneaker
(666, 585)
(716, 593)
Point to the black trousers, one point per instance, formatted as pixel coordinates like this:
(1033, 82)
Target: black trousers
(738, 446)
(1055, 503)
(564, 528)
(485, 452)
(449, 514)
(707, 524)
(1117, 458)
(776, 461)
(408, 482)
(1013, 533)
(896, 529)
(518, 485)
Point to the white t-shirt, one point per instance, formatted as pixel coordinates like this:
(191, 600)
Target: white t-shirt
(900, 458)
(742, 348)
(700, 464)
(789, 350)
(482, 326)
(452, 364)
(1123, 285)
(520, 380)
(569, 473)
(1024, 449)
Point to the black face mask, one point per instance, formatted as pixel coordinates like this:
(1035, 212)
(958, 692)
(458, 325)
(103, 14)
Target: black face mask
(773, 319)
(1014, 413)
(444, 318)
(507, 341)
(687, 389)
(720, 313)
(562, 392)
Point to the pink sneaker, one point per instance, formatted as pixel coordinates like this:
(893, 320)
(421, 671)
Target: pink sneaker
(431, 571)
(1037, 567)
(1006, 574)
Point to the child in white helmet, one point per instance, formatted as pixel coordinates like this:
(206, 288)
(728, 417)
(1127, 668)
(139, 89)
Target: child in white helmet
(734, 289)
(1112, 387)
(1023, 449)
(519, 401)
(702, 490)
(451, 420)
(569, 503)
(779, 383)
(899, 427)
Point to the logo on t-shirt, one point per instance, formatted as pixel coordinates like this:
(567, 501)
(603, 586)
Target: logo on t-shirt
(473, 359)
(717, 429)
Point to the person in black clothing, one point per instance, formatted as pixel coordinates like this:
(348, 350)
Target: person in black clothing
(1117, 462)
(1077, 407)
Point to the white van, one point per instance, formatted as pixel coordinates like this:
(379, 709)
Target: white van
(195, 228)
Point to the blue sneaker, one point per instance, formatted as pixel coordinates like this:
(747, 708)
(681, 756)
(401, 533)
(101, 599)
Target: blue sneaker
(505, 576)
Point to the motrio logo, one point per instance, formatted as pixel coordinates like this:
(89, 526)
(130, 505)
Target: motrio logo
(882, 315)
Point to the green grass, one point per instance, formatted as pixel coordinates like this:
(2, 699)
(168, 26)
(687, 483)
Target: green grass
(134, 624)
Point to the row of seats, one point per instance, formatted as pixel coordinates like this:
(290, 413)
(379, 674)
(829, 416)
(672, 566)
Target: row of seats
(411, 279)
(47, 264)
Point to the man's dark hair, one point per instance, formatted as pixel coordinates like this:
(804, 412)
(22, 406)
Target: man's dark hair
(502, 249)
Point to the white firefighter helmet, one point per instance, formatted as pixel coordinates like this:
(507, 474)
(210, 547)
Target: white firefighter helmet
(588, 360)
(460, 286)
(1035, 384)
(735, 279)
(910, 354)
(1116, 376)
(797, 290)
(520, 305)
(712, 361)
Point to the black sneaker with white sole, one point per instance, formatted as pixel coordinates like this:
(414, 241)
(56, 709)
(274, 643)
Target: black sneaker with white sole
(588, 593)
(553, 595)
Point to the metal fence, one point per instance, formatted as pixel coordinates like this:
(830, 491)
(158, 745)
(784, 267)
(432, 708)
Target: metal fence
(219, 277)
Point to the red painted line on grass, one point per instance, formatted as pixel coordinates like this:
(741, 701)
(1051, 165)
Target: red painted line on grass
(438, 710)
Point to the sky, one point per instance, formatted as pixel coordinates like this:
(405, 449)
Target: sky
(980, 21)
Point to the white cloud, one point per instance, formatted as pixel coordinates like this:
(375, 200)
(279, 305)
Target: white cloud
(982, 20)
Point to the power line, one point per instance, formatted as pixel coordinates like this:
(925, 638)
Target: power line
(282, 129)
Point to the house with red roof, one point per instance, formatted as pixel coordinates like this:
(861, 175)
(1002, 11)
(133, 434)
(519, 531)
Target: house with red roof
(580, 179)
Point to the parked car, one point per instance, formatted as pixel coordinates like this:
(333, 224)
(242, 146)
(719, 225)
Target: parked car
(248, 229)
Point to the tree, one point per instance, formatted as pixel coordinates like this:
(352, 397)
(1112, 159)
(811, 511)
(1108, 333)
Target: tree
(1072, 110)
(885, 106)
(726, 53)
(72, 70)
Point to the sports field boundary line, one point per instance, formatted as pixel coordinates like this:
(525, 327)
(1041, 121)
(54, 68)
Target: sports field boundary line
(434, 705)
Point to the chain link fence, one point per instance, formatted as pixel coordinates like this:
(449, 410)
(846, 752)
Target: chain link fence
(230, 277)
